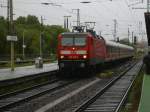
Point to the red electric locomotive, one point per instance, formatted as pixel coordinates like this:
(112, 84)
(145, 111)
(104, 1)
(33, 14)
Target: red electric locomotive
(86, 50)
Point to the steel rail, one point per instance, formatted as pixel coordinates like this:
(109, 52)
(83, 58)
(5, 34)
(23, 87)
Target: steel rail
(84, 105)
(23, 79)
(26, 89)
(126, 94)
(19, 100)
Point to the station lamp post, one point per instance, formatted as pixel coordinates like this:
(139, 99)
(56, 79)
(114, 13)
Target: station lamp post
(23, 45)
(129, 33)
(41, 37)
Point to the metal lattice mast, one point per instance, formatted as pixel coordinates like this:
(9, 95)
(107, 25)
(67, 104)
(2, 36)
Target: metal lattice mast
(78, 16)
(148, 7)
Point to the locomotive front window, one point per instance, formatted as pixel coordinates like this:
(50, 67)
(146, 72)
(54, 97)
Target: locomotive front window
(67, 41)
(73, 40)
(80, 41)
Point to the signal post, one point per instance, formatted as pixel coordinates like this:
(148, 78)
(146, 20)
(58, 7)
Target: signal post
(10, 37)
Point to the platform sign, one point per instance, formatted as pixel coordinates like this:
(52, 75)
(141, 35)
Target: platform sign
(147, 21)
(12, 38)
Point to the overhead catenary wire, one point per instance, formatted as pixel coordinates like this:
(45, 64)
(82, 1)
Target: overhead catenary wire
(95, 6)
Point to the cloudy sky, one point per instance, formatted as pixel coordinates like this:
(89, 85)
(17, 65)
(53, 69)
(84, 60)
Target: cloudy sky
(103, 12)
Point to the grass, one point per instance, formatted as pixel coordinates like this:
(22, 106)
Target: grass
(7, 65)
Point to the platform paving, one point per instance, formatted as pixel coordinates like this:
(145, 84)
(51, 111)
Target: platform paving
(6, 74)
(145, 96)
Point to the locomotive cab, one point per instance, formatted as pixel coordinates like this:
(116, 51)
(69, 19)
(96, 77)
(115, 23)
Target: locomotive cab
(73, 50)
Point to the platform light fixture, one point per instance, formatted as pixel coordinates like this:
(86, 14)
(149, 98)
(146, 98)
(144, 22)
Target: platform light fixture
(85, 2)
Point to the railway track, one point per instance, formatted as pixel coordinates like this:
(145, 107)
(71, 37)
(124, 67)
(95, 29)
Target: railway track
(27, 89)
(111, 97)
(19, 82)
(14, 99)
(11, 100)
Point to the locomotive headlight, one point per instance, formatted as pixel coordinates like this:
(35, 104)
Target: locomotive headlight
(84, 56)
(61, 57)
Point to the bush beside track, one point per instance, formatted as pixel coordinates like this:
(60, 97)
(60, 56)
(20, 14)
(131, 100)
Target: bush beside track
(6, 64)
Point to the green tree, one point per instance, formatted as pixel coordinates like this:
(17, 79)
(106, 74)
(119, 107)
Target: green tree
(32, 20)
(3, 33)
(21, 20)
(31, 28)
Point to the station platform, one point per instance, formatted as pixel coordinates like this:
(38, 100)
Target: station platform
(145, 95)
(6, 74)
